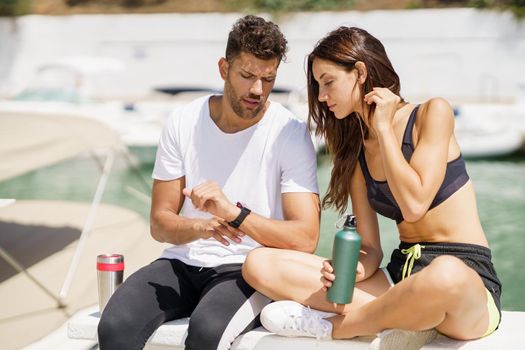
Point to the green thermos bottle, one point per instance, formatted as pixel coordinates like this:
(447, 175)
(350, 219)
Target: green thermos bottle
(347, 245)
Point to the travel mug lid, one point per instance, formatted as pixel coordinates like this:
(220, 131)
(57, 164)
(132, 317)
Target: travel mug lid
(110, 262)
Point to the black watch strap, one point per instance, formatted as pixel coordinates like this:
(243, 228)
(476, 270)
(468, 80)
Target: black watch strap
(239, 219)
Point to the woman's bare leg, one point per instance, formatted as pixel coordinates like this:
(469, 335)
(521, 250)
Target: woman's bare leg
(446, 295)
(292, 275)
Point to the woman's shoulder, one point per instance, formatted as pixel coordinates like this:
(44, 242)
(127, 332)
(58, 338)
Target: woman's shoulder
(436, 106)
(436, 111)
(434, 118)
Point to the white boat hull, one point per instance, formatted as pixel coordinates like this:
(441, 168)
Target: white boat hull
(490, 130)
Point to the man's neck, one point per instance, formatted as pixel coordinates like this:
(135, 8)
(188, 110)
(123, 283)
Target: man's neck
(227, 120)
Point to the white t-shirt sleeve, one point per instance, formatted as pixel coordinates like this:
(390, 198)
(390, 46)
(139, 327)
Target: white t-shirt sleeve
(298, 161)
(169, 163)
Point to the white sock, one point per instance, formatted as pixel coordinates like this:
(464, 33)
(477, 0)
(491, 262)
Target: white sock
(329, 328)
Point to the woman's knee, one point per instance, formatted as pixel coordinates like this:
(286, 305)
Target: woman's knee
(447, 275)
(257, 267)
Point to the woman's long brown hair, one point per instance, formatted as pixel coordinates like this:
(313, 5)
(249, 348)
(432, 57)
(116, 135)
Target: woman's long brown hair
(346, 46)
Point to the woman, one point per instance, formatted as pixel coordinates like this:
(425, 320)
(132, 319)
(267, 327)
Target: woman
(402, 161)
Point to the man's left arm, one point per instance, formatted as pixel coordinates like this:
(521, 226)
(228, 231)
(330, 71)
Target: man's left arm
(299, 229)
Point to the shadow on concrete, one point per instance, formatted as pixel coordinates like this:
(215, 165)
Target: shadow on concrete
(29, 244)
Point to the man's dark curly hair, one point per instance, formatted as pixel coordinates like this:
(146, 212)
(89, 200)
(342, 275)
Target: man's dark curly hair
(255, 35)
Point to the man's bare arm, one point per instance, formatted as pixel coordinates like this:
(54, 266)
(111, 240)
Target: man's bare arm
(299, 230)
(166, 225)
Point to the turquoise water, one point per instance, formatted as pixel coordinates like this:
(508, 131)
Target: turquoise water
(499, 184)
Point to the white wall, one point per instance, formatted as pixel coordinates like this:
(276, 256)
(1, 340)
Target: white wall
(461, 54)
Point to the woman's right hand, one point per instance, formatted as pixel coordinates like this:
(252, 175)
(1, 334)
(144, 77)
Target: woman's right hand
(328, 276)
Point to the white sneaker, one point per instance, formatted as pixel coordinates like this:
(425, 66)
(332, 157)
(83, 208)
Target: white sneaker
(291, 319)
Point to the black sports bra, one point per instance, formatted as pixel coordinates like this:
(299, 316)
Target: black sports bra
(379, 194)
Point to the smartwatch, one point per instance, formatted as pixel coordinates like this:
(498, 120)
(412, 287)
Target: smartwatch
(239, 219)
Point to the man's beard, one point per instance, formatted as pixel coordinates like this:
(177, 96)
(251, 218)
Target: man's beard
(237, 107)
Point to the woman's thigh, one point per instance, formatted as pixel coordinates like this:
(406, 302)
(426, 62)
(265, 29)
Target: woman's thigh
(446, 295)
(292, 275)
(467, 315)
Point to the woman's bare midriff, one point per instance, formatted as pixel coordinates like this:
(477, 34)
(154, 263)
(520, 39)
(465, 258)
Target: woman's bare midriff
(454, 220)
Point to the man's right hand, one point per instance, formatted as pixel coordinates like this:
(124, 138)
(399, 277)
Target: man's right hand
(220, 230)
(168, 226)
(209, 198)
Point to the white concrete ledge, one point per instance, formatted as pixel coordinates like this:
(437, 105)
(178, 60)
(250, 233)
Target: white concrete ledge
(172, 334)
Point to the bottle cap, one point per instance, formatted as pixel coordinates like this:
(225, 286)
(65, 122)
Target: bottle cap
(347, 220)
(351, 221)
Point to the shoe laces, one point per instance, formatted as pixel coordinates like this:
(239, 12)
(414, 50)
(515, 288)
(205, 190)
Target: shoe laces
(309, 322)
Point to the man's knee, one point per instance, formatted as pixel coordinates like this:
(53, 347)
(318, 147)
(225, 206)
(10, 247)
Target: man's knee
(121, 330)
(215, 331)
(204, 332)
(112, 332)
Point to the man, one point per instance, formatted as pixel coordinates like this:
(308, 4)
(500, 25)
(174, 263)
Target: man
(219, 150)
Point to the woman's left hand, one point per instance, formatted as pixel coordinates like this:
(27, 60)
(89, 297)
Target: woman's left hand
(386, 106)
(360, 272)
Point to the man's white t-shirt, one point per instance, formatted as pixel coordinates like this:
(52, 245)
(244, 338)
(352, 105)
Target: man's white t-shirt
(253, 166)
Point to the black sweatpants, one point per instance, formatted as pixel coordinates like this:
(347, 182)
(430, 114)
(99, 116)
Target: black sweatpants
(221, 305)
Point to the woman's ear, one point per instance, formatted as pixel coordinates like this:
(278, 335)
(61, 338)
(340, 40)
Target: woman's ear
(223, 68)
(362, 73)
